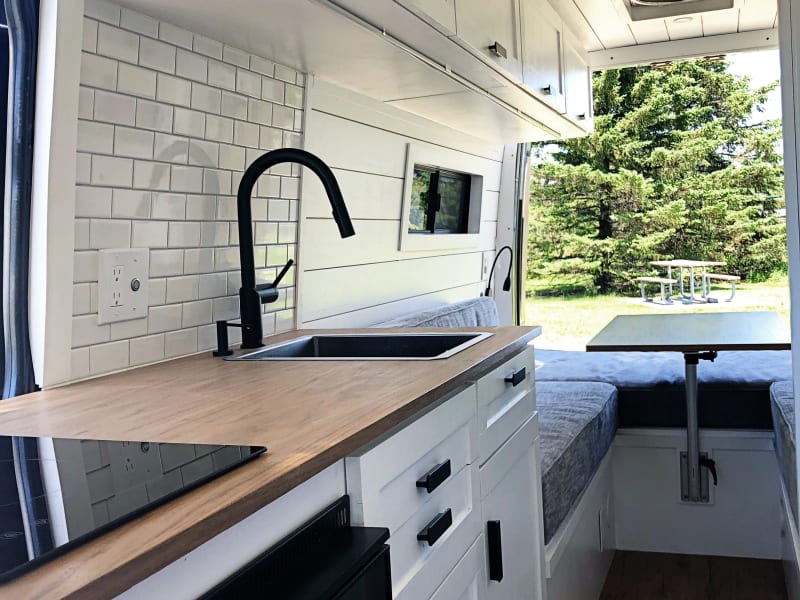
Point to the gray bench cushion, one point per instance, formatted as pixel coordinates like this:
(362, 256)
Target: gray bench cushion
(475, 312)
(782, 397)
(734, 389)
(577, 423)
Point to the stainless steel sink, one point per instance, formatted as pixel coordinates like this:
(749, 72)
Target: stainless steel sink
(369, 346)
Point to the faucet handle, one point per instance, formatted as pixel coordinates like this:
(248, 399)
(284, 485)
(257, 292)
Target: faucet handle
(283, 272)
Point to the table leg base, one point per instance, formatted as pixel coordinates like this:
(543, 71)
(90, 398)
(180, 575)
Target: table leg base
(704, 481)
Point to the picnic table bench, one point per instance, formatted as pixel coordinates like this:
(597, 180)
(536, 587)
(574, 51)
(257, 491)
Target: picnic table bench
(663, 281)
(688, 265)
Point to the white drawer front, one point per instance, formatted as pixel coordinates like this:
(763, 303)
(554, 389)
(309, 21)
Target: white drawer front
(419, 568)
(382, 482)
(502, 406)
(468, 579)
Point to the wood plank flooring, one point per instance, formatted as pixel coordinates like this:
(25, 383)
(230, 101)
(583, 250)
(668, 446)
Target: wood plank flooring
(656, 576)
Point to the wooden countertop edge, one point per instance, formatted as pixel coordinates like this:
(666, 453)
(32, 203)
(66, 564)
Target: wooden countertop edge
(141, 565)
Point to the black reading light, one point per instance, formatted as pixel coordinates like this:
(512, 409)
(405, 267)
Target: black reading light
(507, 282)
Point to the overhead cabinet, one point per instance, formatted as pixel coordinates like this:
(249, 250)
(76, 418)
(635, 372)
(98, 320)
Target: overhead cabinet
(439, 13)
(492, 30)
(543, 58)
(578, 84)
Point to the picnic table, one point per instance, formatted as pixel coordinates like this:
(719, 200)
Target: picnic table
(688, 266)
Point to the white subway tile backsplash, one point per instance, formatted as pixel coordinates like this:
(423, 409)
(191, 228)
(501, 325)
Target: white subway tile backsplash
(79, 364)
(171, 148)
(191, 66)
(182, 289)
(124, 330)
(112, 171)
(102, 11)
(248, 83)
(219, 129)
(84, 269)
(207, 46)
(130, 204)
(86, 331)
(173, 90)
(107, 233)
(284, 321)
(245, 134)
(150, 175)
(152, 115)
(95, 137)
(149, 234)
(197, 313)
(221, 75)
(89, 35)
(114, 108)
(168, 122)
(157, 55)
(206, 98)
(186, 179)
(139, 23)
(179, 343)
(183, 235)
(234, 105)
(166, 263)
(201, 208)
(190, 122)
(262, 66)
(212, 285)
(147, 349)
(132, 142)
(136, 81)
(204, 154)
(169, 206)
(164, 318)
(98, 71)
(113, 42)
(198, 260)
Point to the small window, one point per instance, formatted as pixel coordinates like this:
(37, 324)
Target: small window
(439, 201)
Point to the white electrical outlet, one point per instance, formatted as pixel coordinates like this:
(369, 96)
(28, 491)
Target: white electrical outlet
(122, 284)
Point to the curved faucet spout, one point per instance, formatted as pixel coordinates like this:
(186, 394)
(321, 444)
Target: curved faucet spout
(250, 296)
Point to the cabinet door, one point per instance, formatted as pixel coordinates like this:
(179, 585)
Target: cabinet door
(512, 518)
(492, 29)
(467, 581)
(578, 85)
(542, 54)
(439, 13)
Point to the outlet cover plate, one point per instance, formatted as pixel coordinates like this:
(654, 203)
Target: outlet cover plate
(119, 269)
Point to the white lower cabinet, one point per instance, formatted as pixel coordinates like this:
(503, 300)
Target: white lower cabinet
(468, 580)
(511, 508)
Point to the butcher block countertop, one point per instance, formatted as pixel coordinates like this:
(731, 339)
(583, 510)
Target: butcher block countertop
(309, 414)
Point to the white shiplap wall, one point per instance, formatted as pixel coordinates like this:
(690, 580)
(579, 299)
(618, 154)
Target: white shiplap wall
(361, 280)
(168, 121)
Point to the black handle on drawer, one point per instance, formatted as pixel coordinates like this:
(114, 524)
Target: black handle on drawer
(494, 540)
(516, 378)
(436, 528)
(435, 477)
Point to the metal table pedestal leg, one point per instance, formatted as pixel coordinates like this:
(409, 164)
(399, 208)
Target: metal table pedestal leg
(692, 428)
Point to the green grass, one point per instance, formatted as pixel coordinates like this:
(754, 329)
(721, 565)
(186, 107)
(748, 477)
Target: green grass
(569, 322)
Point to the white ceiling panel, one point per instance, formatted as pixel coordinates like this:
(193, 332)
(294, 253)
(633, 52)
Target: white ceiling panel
(649, 32)
(757, 14)
(578, 24)
(720, 22)
(605, 20)
(679, 29)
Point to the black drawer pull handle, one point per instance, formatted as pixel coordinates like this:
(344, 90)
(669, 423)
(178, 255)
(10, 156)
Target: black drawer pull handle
(435, 477)
(436, 528)
(498, 50)
(494, 540)
(516, 378)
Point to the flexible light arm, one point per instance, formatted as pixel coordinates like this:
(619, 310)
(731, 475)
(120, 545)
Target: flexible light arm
(507, 282)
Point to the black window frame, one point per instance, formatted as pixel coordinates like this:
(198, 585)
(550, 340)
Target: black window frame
(434, 201)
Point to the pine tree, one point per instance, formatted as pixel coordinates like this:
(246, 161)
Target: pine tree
(675, 168)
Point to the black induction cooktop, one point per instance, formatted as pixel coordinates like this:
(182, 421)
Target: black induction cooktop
(58, 493)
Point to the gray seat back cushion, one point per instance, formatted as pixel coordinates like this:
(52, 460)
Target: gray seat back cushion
(475, 312)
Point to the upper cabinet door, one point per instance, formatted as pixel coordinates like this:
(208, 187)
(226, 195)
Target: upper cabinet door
(492, 28)
(439, 13)
(578, 85)
(543, 54)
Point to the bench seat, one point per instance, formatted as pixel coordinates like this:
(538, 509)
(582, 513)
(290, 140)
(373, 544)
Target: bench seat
(733, 390)
(782, 403)
(577, 424)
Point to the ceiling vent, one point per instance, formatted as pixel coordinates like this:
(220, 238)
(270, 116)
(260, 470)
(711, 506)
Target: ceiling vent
(641, 10)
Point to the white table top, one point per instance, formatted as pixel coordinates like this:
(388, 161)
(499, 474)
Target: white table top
(686, 263)
(693, 332)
